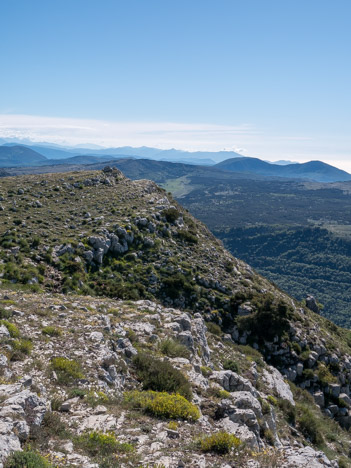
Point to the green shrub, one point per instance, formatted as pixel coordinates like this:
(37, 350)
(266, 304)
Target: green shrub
(77, 392)
(163, 405)
(296, 347)
(187, 236)
(99, 443)
(229, 364)
(305, 355)
(324, 375)
(161, 376)
(344, 462)
(67, 371)
(308, 374)
(220, 442)
(5, 314)
(272, 400)
(27, 459)
(177, 285)
(173, 349)
(223, 394)
(171, 214)
(206, 371)
(309, 425)
(52, 426)
(96, 398)
(51, 331)
(21, 346)
(13, 330)
(266, 407)
(131, 335)
(214, 328)
(288, 409)
(268, 310)
(269, 436)
(56, 403)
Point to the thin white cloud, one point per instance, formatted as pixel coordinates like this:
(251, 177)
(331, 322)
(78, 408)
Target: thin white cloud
(163, 135)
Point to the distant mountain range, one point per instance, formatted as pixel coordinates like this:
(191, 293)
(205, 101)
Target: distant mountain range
(205, 158)
(14, 155)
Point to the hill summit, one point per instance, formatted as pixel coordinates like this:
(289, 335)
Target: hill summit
(313, 170)
(130, 337)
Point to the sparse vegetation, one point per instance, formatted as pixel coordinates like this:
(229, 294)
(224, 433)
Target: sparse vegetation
(220, 442)
(161, 376)
(12, 328)
(99, 443)
(51, 331)
(27, 459)
(67, 370)
(229, 364)
(172, 348)
(163, 405)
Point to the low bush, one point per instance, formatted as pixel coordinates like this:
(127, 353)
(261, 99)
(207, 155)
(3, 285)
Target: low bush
(77, 392)
(53, 426)
(67, 371)
(99, 443)
(269, 436)
(206, 371)
(272, 400)
(223, 394)
(161, 376)
(163, 405)
(308, 374)
(27, 459)
(266, 407)
(13, 330)
(220, 442)
(172, 425)
(5, 314)
(179, 285)
(21, 348)
(51, 331)
(187, 236)
(214, 328)
(230, 364)
(171, 214)
(288, 409)
(309, 425)
(324, 375)
(173, 349)
(296, 347)
(268, 310)
(96, 398)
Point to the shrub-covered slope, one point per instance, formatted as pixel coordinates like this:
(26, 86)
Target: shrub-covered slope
(130, 337)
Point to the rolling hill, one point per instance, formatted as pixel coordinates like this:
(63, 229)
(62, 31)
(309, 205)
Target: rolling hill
(313, 170)
(19, 156)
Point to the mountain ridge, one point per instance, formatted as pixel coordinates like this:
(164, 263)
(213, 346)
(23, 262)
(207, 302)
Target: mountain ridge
(316, 170)
(123, 307)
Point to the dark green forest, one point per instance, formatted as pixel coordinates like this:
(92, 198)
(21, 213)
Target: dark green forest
(300, 261)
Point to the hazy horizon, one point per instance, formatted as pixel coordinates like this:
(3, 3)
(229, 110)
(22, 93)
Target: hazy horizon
(265, 79)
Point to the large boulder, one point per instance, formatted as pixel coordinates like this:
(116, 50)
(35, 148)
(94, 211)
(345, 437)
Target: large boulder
(275, 381)
(306, 457)
(311, 303)
(233, 382)
(9, 441)
(28, 404)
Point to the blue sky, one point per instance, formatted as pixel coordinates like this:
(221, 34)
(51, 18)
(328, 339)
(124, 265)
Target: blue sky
(266, 77)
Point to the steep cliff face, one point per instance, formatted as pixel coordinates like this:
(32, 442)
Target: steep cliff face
(131, 337)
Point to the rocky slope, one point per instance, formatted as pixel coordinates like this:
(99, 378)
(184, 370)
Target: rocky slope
(130, 337)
